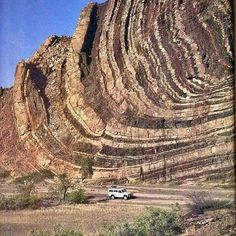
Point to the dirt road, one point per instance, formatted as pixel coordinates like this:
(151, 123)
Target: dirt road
(162, 196)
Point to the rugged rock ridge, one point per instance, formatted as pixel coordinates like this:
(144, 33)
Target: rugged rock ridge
(143, 88)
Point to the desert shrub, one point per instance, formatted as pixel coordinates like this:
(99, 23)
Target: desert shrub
(5, 203)
(121, 229)
(120, 181)
(57, 231)
(19, 202)
(154, 222)
(22, 202)
(201, 202)
(77, 196)
(175, 183)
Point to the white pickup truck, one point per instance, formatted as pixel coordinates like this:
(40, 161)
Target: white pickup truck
(115, 192)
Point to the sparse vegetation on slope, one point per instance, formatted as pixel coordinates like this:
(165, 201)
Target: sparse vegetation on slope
(36, 177)
(19, 202)
(153, 223)
(201, 202)
(25, 199)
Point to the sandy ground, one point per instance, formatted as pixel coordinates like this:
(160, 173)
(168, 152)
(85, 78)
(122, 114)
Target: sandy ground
(88, 218)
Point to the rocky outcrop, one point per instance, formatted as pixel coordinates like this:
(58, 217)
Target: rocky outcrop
(143, 88)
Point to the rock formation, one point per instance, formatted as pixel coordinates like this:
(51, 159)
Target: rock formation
(143, 88)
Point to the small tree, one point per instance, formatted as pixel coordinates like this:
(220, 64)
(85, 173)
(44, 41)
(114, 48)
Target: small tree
(63, 185)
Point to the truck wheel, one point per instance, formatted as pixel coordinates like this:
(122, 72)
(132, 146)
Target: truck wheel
(125, 197)
(112, 197)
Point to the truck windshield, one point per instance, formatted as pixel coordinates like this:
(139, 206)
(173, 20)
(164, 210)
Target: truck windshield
(124, 190)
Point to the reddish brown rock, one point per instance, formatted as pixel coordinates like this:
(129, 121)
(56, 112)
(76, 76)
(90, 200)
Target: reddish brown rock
(144, 88)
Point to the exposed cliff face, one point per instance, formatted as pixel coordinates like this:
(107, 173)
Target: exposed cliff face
(144, 88)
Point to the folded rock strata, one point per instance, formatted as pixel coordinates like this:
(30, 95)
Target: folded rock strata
(143, 88)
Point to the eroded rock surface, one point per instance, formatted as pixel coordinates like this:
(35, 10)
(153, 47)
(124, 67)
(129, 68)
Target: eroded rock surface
(144, 88)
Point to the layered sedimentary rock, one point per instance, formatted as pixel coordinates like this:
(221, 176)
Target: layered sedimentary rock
(143, 88)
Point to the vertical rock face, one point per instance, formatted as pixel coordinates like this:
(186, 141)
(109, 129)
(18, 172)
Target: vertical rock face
(144, 88)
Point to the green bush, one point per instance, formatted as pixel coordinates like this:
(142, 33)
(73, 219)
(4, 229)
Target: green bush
(121, 229)
(19, 202)
(77, 196)
(6, 203)
(175, 183)
(154, 222)
(57, 231)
